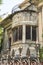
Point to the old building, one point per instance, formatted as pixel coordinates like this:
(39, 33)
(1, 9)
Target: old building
(23, 30)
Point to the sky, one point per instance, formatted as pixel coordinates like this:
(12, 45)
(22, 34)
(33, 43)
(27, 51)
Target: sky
(7, 6)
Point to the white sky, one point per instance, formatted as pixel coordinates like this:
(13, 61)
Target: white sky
(8, 5)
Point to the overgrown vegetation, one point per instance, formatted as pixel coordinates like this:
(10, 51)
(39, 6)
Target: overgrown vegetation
(41, 54)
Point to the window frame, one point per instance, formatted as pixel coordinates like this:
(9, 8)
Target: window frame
(18, 28)
(31, 37)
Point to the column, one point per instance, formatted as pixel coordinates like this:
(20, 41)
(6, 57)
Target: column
(24, 34)
(31, 32)
(42, 15)
(40, 28)
(42, 25)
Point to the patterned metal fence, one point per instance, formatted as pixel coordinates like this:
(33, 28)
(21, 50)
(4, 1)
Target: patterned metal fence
(19, 61)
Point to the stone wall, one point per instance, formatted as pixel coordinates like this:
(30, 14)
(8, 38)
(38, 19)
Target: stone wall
(24, 18)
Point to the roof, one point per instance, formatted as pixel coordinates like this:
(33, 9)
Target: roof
(24, 4)
(4, 20)
(22, 7)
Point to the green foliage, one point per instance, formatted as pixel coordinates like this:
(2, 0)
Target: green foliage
(41, 54)
(40, 1)
(1, 45)
(1, 30)
(0, 1)
(1, 35)
(0, 18)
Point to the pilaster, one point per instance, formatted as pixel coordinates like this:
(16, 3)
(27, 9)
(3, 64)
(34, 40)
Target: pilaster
(40, 28)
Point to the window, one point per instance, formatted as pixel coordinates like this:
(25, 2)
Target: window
(14, 34)
(20, 33)
(28, 31)
(17, 33)
(31, 33)
(9, 43)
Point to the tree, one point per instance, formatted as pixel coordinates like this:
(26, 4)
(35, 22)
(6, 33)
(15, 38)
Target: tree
(1, 45)
(1, 38)
(1, 32)
(41, 54)
(0, 18)
(0, 1)
(40, 1)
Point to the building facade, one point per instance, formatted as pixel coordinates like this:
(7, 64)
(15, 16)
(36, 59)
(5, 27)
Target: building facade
(23, 31)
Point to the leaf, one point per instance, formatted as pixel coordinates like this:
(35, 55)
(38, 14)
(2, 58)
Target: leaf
(0, 1)
(0, 19)
(1, 30)
(41, 53)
